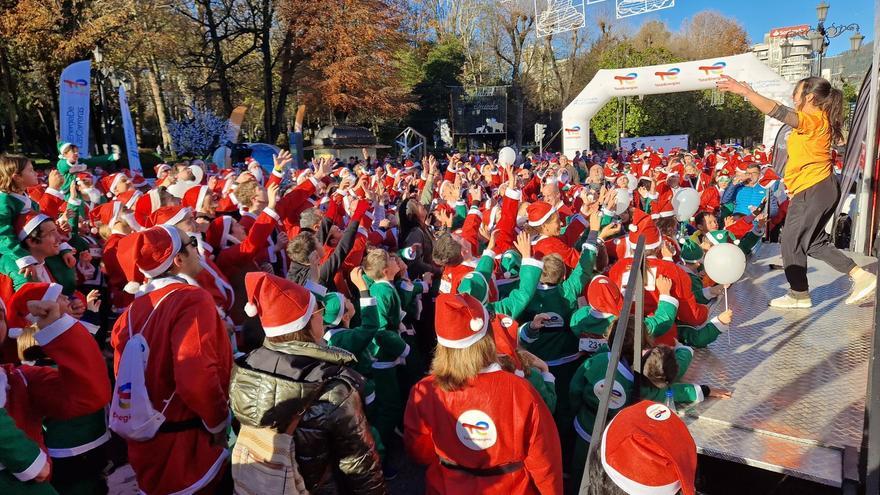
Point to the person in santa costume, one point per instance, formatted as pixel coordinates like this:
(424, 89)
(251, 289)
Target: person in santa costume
(689, 311)
(75, 445)
(187, 376)
(545, 224)
(479, 429)
(30, 394)
(306, 379)
(17, 175)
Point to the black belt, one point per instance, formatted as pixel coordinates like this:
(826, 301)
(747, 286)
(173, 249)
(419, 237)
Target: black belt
(178, 426)
(492, 471)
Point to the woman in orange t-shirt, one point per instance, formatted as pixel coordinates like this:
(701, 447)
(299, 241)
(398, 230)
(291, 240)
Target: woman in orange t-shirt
(816, 123)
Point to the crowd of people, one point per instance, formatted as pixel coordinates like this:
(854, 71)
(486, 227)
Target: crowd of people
(266, 329)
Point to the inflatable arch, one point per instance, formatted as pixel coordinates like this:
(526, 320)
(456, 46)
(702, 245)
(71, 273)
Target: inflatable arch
(669, 78)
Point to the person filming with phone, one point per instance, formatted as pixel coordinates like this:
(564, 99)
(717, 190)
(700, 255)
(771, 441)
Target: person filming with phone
(746, 192)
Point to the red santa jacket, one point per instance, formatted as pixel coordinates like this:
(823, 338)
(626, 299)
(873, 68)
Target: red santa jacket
(689, 311)
(77, 386)
(115, 276)
(480, 428)
(562, 245)
(506, 226)
(191, 358)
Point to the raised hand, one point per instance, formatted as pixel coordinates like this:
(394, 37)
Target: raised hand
(281, 160)
(272, 195)
(664, 285)
(523, 244)
(728, 84)
(46, 312)
(357, 278)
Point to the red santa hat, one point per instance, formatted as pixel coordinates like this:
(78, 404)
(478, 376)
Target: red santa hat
(109, 183)
(129, 198)
(26, 223)
(107, 213)
(662, 208)
(195, 196)
(162, 168)
(18, 315)
(168, 215)
(283, 306)
(506, 340)
(461, 320)
(219, 230)
(148, 254)
(648, 450)
(642, 224)
(147, 204)
(604, 297)
(539, 212)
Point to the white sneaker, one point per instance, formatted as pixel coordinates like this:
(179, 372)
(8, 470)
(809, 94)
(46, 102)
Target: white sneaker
(789, 301)
(864, 285)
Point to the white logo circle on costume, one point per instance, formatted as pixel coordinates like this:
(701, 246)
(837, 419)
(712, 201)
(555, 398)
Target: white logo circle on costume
(658, 412)
(476, 430)
(506, 322)
(618, 395)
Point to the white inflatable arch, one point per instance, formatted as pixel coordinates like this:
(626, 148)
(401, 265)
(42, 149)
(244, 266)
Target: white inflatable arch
(669, 78)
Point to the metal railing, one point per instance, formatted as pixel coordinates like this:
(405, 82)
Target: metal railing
(633, 294)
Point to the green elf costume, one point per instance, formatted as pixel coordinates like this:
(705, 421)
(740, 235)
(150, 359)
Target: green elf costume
(588, 380)
(681, 392)
(12, 206)
(555, 343)
(692, 258)
(20, 457)
(510, 263)
(503, 314)
(52, 270)
(388, 351)
(358, 341)
(69, 170)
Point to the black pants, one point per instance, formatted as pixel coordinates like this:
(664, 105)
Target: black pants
(804, 233)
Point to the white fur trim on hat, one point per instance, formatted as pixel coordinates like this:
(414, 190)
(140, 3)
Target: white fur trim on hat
(295, 325)
(178, 217)
(113, 184)
(31, 224)
(250, 309)
(632, 486)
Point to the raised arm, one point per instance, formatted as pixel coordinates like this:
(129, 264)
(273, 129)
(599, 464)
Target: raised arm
(768, 107)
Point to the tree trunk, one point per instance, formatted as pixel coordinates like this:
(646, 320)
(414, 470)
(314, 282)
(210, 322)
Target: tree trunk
(288, 61)
(159, 104)
(9, 97)
(219, 65)
(266, 51)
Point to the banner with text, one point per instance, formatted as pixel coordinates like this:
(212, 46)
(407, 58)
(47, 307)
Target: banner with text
(131, 145)
(666, 142)
(74, 92)
(479, 109)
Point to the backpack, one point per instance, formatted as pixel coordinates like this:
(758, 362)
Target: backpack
(132, 415)
(264, 460)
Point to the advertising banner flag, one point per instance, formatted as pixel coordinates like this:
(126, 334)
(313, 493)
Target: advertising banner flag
(131, 145)
(75, 86)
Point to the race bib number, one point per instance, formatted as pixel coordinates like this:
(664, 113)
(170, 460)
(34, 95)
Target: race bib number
(591, 345)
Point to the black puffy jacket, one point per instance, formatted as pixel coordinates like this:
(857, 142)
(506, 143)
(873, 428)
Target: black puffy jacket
(333, 441)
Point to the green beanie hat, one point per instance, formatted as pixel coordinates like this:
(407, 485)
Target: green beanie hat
(334, 308)
(62, 147)
(510, 263)
(475, 285)
(721, 237)
(691, 252)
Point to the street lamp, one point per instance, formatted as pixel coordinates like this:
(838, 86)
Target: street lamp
(855, 41)
(822, 11)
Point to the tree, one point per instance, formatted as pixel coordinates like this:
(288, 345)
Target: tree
(432, 78)
(511, 28)
(710, 34)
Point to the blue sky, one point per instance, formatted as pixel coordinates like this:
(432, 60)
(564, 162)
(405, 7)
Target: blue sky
(759, 16)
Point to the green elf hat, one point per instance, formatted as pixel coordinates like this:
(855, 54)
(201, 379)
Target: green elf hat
(511, 261)
(721, 237)
(334, 308)
(691, 252)
(63, 146)
(475, 285)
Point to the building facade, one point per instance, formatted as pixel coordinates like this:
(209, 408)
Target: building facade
(794, 67)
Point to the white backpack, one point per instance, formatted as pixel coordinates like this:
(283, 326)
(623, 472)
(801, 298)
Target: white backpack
(131, 413)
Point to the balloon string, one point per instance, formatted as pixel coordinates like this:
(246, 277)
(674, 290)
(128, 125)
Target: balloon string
(725, 309)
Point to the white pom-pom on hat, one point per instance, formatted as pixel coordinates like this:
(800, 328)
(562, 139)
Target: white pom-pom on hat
(633, 227)
(132, 287)
(477, 324)
(250, 309)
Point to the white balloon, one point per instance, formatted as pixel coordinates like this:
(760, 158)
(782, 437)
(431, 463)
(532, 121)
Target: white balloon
(632, 182)
(725, 263)
(624, 199)
(507, 156)
(686, 202)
